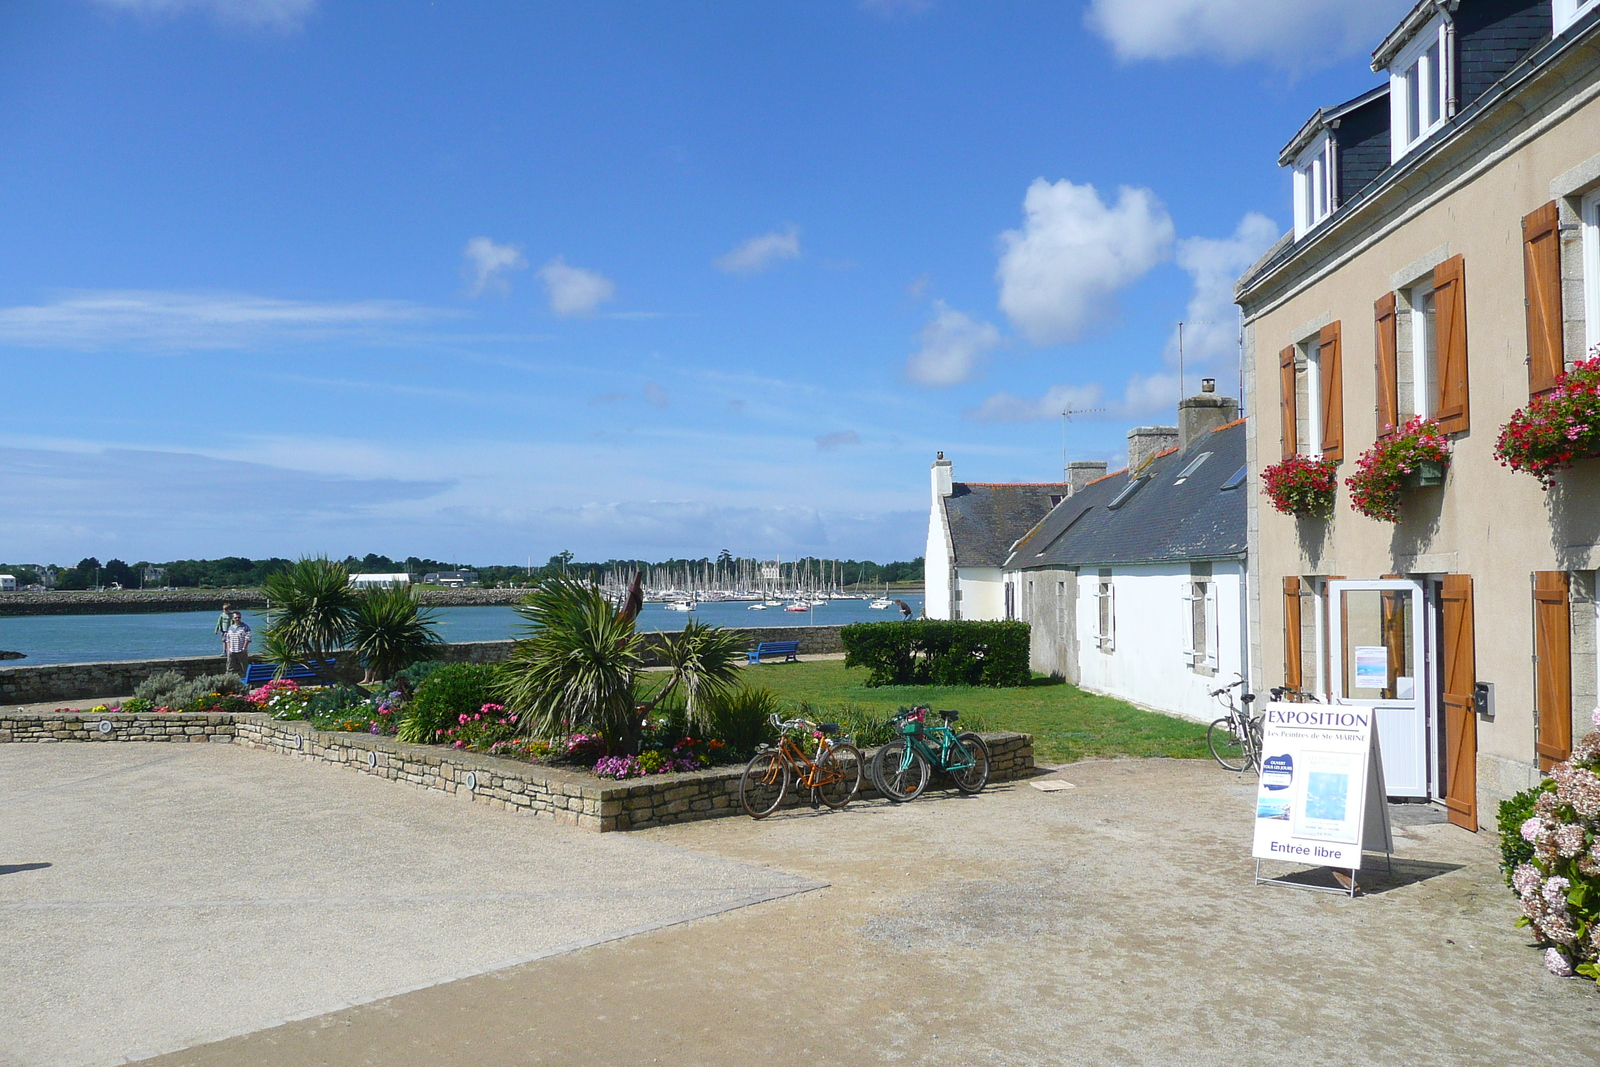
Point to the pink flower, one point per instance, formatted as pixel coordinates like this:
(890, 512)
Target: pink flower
(1556, 962)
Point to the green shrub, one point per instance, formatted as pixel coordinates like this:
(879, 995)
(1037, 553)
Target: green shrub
(158, 685)
(740, 721)
(138, 705)
(170, 689)
(1514, 851)
(449, 692)
(413, 676)
(939, 652)
(331, 700)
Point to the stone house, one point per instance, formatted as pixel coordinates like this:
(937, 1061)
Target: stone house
(1445, 264)
(1135, 584)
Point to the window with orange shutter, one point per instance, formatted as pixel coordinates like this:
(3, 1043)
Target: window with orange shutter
(1541, 279)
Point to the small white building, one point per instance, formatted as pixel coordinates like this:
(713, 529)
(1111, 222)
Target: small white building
(379, 581)
(971, 528)
(8, 583)
(1135, 585)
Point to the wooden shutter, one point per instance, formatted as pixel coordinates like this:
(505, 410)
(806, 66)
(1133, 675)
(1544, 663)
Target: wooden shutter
(1291, 414)
(1291, 632)
(1450, 324)
(1387, 347)
(1552, 650)
(1541, 279)
(1460, 711)
(1331, 364)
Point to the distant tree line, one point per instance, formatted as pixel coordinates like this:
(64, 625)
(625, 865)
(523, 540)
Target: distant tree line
(237, 571)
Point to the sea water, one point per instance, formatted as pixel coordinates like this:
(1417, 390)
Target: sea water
(164, 635)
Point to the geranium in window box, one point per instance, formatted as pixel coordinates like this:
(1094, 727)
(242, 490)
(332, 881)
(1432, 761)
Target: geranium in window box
(1557, 429)
(1302, 486)
(1415, 455)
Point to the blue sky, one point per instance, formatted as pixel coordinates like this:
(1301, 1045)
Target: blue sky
(485, 281)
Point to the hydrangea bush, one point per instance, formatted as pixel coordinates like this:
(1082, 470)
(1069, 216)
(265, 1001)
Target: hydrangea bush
(1557, 429)
(1559, 886)
(1302, 486)
(1381, 471)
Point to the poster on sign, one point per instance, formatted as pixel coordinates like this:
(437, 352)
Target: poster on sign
(1320, 799)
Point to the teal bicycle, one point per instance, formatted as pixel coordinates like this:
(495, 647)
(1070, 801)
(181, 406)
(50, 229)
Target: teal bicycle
(901, 768)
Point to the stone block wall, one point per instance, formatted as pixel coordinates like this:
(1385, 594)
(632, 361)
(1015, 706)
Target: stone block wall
(568, 796)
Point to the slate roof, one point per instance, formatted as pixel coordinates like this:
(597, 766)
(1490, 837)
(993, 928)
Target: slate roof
(1163, 520)
(987, 518)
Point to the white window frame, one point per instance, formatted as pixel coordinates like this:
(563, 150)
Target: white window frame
(1106, 614)
(1566, 12)
(1437, 75)
(1589, 211)
(1311, 352)
(1204, 592)
(1313, 186)
(1422, 379)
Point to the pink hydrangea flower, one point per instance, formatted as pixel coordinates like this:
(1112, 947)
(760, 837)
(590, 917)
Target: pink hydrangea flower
(1556, 962)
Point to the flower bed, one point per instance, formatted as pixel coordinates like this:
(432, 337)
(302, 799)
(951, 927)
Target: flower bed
(1556, 872)
(1557, 429)
(1302, 486)
(1418, 449)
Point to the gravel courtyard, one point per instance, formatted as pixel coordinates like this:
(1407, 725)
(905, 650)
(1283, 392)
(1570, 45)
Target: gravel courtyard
(1111, 923)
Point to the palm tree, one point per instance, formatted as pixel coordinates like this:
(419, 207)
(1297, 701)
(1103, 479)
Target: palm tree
(704, 667)
(312, 606)
(391, 631)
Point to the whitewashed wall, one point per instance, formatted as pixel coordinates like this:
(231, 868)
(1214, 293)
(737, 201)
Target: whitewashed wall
(1148, 665)
(936, 564)
(983, 593)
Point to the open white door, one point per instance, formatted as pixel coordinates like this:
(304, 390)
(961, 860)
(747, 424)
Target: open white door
(1377, 630)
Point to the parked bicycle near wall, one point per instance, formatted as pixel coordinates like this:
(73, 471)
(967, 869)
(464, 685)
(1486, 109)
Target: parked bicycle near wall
(901, 768)
(1235, 738)
(832, 773)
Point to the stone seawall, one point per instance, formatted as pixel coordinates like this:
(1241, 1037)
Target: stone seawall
(75, 681)
(142, 601)
(547, 792)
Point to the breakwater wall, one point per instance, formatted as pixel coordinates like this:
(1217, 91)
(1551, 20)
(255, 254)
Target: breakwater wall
(143, 601)
(77, 681)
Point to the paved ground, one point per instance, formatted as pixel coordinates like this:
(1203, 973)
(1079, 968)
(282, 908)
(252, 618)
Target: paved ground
(1112, 923)
(156, 896)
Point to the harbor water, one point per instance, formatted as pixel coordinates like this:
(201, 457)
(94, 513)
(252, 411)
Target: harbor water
(46, 639)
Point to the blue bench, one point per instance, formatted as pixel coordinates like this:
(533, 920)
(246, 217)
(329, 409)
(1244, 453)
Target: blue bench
(789, 650)
(257, 674)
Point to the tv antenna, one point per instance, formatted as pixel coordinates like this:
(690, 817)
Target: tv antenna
(1066, 417)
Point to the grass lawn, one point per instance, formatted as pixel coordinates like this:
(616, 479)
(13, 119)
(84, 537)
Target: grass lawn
(1066, 723)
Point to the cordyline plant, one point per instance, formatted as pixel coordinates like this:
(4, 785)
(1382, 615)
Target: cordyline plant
(1557, 429)
(1381, 469)
(1559, 887)
(1302, 486)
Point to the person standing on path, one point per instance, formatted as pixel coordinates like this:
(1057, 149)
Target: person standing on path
(224, 621)
(236, 639)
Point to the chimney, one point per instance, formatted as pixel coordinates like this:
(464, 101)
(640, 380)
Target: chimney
(942, 476)
(1145, 441)
(1199, 415)
(1080, 472)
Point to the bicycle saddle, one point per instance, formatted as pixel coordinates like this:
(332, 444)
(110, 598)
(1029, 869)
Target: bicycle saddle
(949, 716)
(827, 727)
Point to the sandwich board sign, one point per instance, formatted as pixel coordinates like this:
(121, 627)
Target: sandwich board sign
(1320, 799)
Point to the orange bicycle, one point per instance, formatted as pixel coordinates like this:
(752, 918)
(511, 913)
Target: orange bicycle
(833, 773)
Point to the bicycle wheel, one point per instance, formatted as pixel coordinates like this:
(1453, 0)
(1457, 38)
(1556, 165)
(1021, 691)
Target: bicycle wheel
(972, 779)
(897, 779)
(1227, 746)
(765, 780)
(1256, 743)
(839, 775)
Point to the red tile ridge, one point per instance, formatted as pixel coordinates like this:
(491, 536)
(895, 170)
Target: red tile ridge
(1229, 425)
(1103, 477)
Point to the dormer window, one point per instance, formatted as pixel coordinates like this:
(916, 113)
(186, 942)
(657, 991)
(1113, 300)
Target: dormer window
(1569, 11)
(1313, 185)
(1419, 84)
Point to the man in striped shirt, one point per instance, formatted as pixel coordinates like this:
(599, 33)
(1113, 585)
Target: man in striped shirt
(236, 639)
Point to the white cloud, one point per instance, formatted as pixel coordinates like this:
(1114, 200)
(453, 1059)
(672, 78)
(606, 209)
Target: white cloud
(656, 396)
(1284, 33)
(1151, 395)
(487, 262)
(830, 441)
(1003, 407)
(255, 14)
(1215, 264)
(759, 253)
(1060, 273)
(167, 320)
(573, 290)
(953, 344)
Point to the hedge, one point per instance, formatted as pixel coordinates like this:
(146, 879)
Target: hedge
(939, 652)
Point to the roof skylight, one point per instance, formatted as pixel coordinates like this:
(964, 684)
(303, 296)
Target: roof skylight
(1126, 494)
(1237, 479)
(1193, 466)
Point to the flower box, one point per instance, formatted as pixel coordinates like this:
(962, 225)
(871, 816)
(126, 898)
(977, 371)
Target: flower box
(1414, 456)
(1556, 429)
(1426, 473)
(1302, 486)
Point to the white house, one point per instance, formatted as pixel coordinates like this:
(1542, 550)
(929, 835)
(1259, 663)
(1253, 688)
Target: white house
(8, 583)
(379, 581)
(1135, 584)
(971, 527)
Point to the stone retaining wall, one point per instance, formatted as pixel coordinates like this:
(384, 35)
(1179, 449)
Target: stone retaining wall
(75, 681)
(548, 792)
